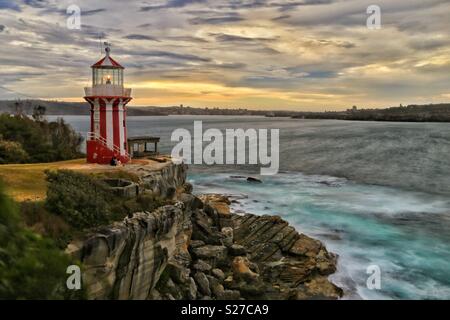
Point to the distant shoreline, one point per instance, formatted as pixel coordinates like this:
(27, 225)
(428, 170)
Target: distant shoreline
(377, 120)
(410, 113)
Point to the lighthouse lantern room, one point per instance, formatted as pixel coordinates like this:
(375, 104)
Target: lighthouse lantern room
(108, 99)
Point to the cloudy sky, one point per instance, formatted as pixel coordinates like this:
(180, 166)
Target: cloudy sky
(262, 54)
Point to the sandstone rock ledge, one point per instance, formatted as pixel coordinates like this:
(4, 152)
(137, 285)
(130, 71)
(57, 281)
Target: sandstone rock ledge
(196, 249)
(267, 258)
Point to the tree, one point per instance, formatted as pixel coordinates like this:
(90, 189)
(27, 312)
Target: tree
(39, 113)
(12, 152)
(43, 141)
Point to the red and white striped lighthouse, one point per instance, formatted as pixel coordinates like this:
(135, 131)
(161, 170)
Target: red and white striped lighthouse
(108, 99)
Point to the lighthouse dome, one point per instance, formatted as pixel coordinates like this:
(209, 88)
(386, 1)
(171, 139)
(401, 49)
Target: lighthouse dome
(107, 61)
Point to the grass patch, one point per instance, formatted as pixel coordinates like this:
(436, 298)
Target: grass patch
(27, 181)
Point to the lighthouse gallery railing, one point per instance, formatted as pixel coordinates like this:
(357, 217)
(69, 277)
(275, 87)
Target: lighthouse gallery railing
(107, 90)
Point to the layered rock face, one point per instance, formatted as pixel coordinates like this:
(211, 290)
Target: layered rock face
(257, 257)
(162, 179)
(125, 260)
(197, 249)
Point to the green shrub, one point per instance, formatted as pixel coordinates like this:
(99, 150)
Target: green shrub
(38, 219)
(31, 267)
(82, 201)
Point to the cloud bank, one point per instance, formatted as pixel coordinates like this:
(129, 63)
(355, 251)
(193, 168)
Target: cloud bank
(265, 54)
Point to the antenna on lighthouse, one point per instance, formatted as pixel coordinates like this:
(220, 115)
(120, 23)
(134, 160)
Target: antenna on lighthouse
(107, 47)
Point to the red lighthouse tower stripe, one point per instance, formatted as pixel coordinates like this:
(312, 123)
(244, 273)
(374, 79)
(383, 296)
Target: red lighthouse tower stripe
(102, 110)
(116, 130)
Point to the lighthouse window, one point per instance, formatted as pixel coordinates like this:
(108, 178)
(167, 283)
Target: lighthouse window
(116, 76)
(101, 76)
(120, 77)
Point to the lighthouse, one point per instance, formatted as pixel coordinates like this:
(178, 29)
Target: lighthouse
(108, 99)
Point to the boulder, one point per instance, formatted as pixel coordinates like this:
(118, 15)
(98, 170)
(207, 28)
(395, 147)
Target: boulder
(218, 202)
(318, 288)
(192, 292)
(254, 290)
(305, 246)
(172, 289)
(190, 201)
(229, 295)
(202, 283)
(228, 236)
(216, 287)
(177, 272)
(241, 269)
(219, 274)
(204, 228)
(196, 243)
(202, 266)
(209, 252)
(254, 180)
(237, 250)
(228, 282)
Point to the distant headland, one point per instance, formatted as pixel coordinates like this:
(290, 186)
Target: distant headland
(410, 113)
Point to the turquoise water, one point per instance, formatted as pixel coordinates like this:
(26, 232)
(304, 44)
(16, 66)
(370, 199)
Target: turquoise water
(405, 233)
(375, 193)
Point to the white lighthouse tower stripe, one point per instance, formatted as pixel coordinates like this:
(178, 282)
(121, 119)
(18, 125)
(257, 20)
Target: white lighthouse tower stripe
(124, 129)
(109, 124)
(96, 128)
(121, 128)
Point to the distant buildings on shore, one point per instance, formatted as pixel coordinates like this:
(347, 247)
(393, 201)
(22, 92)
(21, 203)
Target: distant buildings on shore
(411, 113)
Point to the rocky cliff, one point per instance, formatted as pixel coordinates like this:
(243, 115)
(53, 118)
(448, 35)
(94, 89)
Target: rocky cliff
(195, 248)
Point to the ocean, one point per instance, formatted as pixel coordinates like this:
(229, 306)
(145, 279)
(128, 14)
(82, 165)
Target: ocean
(375, 193)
